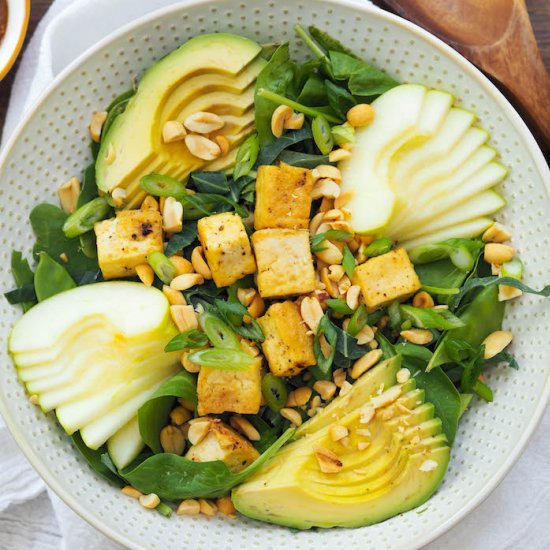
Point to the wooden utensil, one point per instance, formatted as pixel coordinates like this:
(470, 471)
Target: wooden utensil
(496, 35)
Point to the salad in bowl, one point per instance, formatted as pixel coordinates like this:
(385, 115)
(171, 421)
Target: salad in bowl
(276, 289)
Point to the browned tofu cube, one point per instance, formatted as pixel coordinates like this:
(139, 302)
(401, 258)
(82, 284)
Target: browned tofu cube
(285, 265)
(386, 278)
(283, 197)
(226, 248)
(125, 241)
(287, 347)
(236, 391)
(225, 444)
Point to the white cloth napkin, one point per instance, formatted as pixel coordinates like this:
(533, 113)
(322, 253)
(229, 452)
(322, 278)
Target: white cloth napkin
(516, 515)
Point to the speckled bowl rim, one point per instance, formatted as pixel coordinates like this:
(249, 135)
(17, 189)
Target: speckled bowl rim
(388, 18)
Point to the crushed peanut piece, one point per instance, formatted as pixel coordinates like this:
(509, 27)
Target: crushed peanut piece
(329, 463)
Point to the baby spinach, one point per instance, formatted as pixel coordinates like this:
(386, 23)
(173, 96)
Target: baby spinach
(303, 160)
(277, 76)
(339, 99)
(485, 282)
(268, 434)
(503, 357)
(187, 340)
(363, 80)
(270, 153)
(23, 275)
(184, 238)
(443, 395)
(210, 182)
(328, 43)
(117, 107)
(20, 295)
(89, 190)
(314, 92)
(94, 460)
(200, 205)
(175, 477)
(50, 278)
(234, 314)
(482, 317)
(47, 222)
(153, 414)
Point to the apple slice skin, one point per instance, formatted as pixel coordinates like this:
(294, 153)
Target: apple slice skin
(126, 444)
(421, 170)
(96, 378)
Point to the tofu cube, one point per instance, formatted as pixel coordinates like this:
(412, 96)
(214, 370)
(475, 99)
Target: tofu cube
(287, 347)
(125, 241)
(386, 278)
(225, 444)
(236, 391)
(226, 248)
(283, 197)
(285, 265)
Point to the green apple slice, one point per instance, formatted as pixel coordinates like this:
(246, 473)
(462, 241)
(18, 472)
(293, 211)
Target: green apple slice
(94, 354)
(126, 444)
(365, 174)
(465, 230)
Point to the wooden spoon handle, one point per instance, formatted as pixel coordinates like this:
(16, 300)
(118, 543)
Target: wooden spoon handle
(517, 63)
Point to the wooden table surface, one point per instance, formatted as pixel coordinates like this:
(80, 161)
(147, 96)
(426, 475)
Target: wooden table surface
(538, 9)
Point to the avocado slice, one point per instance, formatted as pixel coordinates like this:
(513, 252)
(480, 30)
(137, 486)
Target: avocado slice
(390, 464)
(211, 72)
(382, 375)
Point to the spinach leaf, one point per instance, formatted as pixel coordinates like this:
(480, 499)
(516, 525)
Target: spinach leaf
(268, 434)
(88, 244)
(94, 460)
(482, 317)
(210, 182)
(441, 319)
(339, 99)
(270, 153)
(234, 314)
(181, 240)
(485, 282)
(89, 190)
(503, 357)
(118, 107)
(363, 80)
(244, 188)
(175, 477)
(187, 340)
(205, 294)
(439, 390)
(47, 222)
(443, 395)
(24, 277)
(200, 205)
(347, 346)
(277, 76)
(51, 278)
(314, 93)
(326, 329)
(328, 43)
(153, 414)
(21, 295)
(303, 160)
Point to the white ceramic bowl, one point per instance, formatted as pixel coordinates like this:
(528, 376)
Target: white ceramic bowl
(16, 28)
(51, 145)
